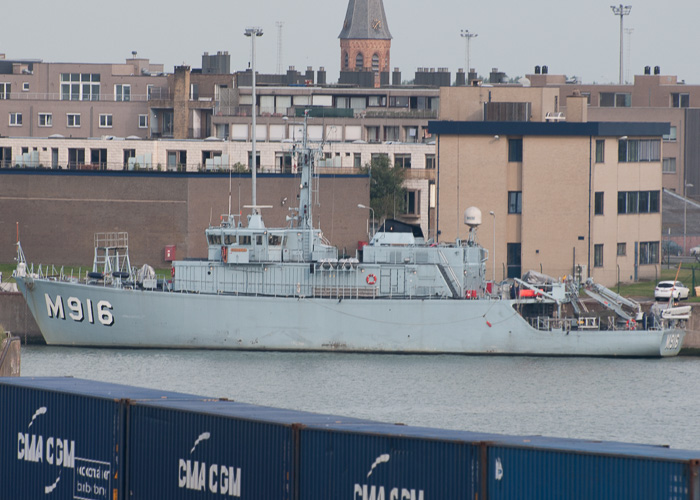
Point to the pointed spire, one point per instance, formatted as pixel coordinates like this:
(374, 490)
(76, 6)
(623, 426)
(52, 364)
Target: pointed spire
(365, 19)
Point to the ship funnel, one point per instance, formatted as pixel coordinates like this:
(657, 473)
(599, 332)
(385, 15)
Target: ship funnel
(472, 217)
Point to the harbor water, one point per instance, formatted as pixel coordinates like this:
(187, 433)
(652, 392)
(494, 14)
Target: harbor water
(652, 401)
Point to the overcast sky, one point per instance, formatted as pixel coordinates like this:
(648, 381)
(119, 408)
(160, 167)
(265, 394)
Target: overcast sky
(572, 38)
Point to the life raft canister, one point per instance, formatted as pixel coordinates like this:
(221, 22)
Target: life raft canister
(224, 254)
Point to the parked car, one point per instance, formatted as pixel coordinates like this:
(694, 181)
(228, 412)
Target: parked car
(695, 251)
(667, 289)
(671, 248)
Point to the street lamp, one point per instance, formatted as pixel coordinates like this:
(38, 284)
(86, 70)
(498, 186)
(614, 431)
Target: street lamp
(360, 205)
(253, 33)
(494, 245)
(467, 37)
(686, 185)
(621, 10)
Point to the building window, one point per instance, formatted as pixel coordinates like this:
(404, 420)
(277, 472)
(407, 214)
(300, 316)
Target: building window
(375, 63)
(399, 102)
(621, 249)
(515, 202)
(80, 86)
(359, 61)
(648, 252)
(5, 89)
(357, 160)
(642, 202)
(15, 119)
(600, 151)
(391, 133)
(669, 166)
(615, 100)
(598, 255)
(45, 119)
(671, 136)
(377, 156)
(122, 92)
(679, 100)
(412, 202)
(143, 121)
(638, 150)
(515, 150)
(73, 119)
(346, 60)
(25, 86)
(430, 161)
(402, 160)
(105, 121)
(598, 203)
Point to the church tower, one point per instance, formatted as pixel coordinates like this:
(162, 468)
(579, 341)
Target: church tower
(365, 41)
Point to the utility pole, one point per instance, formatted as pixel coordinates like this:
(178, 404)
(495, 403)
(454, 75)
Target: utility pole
(467, 37)
(622, 11)
(279, 46)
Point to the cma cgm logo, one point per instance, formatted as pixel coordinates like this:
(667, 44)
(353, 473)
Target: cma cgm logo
(52, 450)
(200, 476)
(79, 312)
(373, 492)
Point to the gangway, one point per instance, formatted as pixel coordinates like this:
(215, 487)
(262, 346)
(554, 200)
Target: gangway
(613, 301)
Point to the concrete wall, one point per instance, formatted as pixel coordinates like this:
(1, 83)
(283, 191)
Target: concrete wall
(59, 212)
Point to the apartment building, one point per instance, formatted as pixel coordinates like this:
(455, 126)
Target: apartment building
(558, 196)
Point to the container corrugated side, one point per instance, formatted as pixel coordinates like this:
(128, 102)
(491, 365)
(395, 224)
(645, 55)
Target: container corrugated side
(540, 471)
(62, 437)
(204, 449)
(372, 462)
(55, 445)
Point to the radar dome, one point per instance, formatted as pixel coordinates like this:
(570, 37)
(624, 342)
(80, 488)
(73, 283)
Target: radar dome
(472, 217)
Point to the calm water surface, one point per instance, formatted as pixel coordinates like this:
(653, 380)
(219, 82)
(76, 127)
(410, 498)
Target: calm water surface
(635, 400)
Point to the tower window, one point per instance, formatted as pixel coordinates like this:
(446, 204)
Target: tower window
(347, 60)
(359, 61)
(375, 63)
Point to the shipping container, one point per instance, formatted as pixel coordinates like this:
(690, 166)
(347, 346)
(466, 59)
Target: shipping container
(548, 468)
(210, 449)
(64, 437)
(383, 461)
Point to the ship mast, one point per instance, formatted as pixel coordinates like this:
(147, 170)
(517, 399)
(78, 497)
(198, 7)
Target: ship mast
(305, 158)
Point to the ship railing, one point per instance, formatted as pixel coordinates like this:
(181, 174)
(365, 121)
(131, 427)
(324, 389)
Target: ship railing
(546, 323)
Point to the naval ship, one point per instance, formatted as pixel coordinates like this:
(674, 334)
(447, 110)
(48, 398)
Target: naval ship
(286, 289)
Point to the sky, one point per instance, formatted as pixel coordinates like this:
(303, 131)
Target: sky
(572, 38)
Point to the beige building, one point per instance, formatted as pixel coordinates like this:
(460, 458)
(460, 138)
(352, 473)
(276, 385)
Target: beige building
(558, 193)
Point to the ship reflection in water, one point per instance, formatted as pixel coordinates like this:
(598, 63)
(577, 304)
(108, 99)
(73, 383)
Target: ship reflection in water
(631, 400)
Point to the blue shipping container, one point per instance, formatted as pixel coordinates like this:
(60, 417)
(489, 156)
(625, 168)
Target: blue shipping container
(545, 468)
(382, 461)
(63, 437)
(204, 450)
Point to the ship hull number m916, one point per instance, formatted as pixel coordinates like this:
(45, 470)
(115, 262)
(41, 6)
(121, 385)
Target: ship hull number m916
(79, 312)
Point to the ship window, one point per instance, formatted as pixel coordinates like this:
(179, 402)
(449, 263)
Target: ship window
(244, 240)
(215, 239)
(274, 240)
(230, 239)
(259, 239)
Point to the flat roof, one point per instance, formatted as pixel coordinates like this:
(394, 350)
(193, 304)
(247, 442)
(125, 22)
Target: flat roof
(597, 129)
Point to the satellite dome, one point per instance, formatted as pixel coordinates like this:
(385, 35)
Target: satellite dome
(472, 217)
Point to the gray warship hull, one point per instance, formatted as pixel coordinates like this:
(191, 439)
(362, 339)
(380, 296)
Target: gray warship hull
(75, 314)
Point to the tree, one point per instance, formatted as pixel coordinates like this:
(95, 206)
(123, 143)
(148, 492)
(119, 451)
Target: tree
(387, 195)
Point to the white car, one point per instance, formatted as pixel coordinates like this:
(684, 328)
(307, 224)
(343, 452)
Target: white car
(668, 289)
(695, 251)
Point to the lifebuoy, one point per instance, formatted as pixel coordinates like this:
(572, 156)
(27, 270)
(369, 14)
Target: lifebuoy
(224, 254)
(631, 324)
(371, 279)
